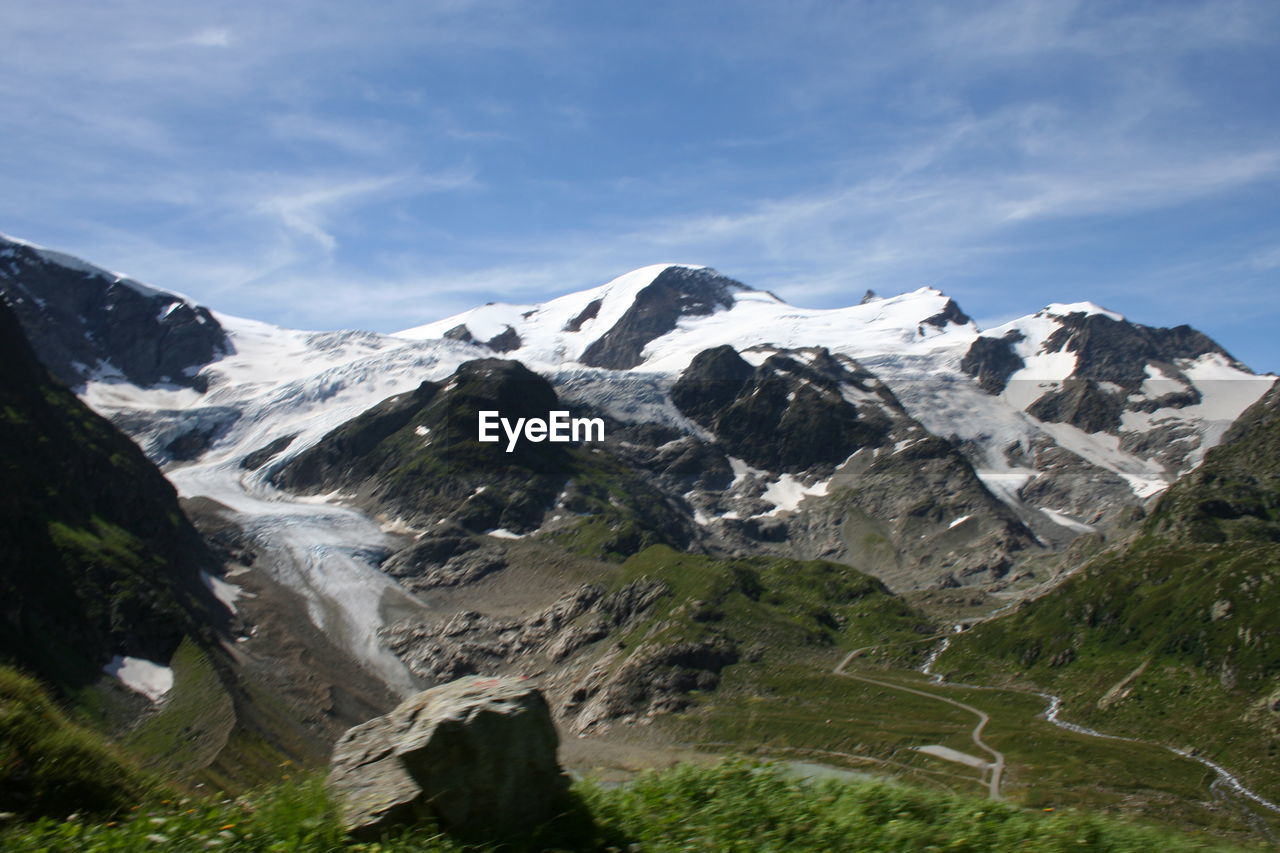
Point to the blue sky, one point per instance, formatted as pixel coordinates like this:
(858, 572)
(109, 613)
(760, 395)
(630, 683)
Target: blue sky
(326, 165)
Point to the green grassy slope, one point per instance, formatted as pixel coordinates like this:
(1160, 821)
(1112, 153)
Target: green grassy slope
(97, 559)
(785, 608)
(733, 806)
(1175, 636)
(51, 766)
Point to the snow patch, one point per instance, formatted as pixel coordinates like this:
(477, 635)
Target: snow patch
(141, 676)
(1063, 309)
(1005, 485)
(786, 492)
(741, 470)
(1068, 522)
(227, 593)
(1145, 477)
(400, 527)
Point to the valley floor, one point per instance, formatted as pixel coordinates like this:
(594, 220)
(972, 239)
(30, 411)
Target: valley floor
(971, 740)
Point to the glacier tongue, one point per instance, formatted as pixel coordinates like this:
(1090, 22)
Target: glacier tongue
(285, 382)
(326, 553)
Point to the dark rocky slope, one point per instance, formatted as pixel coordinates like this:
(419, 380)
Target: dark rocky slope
(899, 503)
(676, 292)
(416, 457)
(96, 558)
(787, 415)
(81, 320)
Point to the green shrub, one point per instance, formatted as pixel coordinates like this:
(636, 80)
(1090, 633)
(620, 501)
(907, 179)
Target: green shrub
(49, 765)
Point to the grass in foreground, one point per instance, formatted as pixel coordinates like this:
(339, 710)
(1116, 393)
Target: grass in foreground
(51, 766)
(733, 806)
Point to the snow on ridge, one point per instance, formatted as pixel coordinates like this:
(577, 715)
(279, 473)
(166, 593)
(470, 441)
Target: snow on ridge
(71, 262)
(489, 320)
(1064, 309)
(892, 325)
(558, 331)
(1226, 391)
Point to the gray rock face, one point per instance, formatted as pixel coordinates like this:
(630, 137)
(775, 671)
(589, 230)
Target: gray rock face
(656, 679)
(81, 319)
(477, 755)
(471, 642)
(992, 361)
(676, 292)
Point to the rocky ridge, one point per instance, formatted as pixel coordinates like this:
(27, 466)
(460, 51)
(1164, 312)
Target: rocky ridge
(87, 323)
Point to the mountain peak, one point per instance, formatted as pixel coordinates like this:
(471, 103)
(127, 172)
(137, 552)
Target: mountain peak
(11, 247)
(674, 293)
(85, 321)
(1066, 309)
(604, 326)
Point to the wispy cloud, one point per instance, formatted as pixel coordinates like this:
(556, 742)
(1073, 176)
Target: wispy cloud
(312, 162)
(210, 37)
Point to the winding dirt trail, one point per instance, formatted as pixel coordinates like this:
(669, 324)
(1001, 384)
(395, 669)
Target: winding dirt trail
(1224, 778)
(996, 766)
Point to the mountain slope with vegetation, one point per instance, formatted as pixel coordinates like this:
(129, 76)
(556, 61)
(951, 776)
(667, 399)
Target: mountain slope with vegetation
(99, 566)
(415, 457)
(729, 806)
(96, 558)
(1173, 636)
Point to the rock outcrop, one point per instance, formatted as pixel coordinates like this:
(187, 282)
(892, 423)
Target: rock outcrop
(416, 454)
(83, 321)
(477, 756)
(676, 292)
(792, 413)
(470, 642)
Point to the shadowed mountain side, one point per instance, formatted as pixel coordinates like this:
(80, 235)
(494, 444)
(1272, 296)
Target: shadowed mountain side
(96, 557)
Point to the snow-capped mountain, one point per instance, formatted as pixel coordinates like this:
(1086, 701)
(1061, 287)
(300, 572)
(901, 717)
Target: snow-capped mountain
(893, 435)
(1067, 414)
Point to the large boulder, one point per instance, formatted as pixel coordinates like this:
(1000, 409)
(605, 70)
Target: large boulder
(476, 755)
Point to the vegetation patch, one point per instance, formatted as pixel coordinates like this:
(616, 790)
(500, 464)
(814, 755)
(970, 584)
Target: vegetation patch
(732, 806)
(193, 724)
(51, 766)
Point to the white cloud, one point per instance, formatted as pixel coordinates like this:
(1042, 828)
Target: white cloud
(1266, 259)
(210, 37)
